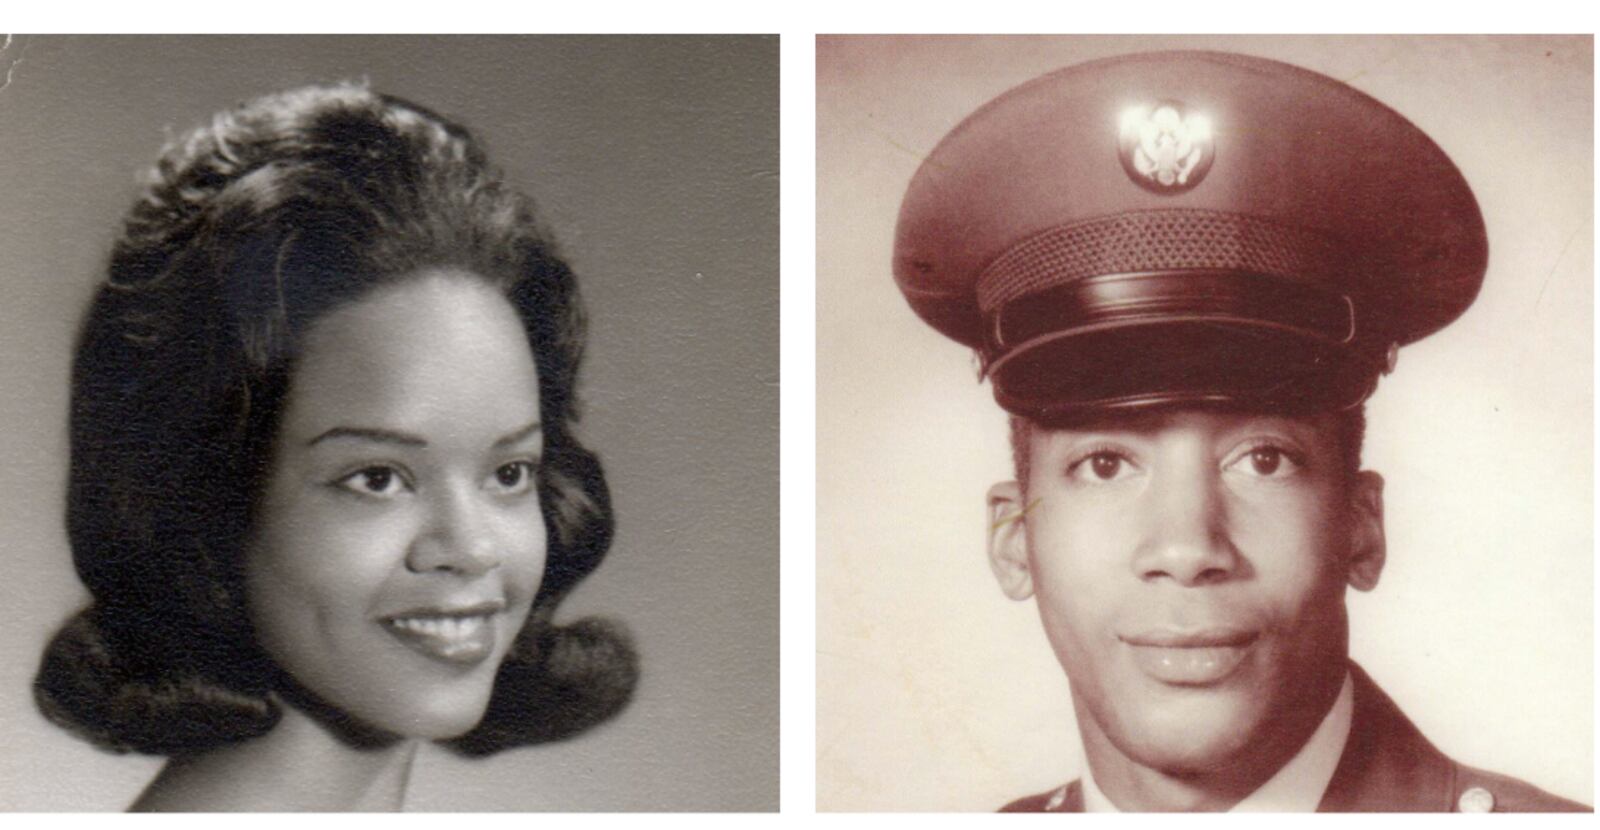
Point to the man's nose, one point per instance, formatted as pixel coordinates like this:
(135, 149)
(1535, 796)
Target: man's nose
(458, 535)
(1186, 538)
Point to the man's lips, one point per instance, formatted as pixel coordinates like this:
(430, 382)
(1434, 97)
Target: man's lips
(1190, 637)
(1189, 656)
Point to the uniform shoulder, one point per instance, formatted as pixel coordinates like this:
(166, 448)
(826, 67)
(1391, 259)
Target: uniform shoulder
(1480, 791)
(1064, 799)
(1027, 804)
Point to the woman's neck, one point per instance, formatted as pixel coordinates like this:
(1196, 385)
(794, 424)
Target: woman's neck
(298, 766)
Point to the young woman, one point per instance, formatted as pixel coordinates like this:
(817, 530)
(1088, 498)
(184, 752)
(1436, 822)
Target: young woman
(324, 487)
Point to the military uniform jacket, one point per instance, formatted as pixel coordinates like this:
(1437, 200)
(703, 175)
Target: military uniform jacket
(1387, 766)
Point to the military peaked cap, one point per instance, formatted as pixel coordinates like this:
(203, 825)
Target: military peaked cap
(1187, 227)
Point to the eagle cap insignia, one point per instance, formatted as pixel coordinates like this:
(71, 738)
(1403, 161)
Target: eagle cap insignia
(1164, 147)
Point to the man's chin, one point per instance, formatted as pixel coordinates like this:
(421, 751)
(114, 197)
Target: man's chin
(1202, 738)
(1197, 759)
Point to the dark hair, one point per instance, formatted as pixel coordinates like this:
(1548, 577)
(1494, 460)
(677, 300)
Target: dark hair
(251, 229)
(1350, 426)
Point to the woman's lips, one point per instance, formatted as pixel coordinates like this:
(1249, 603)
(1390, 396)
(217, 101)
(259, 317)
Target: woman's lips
(463, 638)
(1190, 658)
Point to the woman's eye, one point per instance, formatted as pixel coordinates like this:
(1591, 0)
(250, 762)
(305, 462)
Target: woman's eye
(374, 481)
(1267, 461)
(515, 477)
(1104, 465)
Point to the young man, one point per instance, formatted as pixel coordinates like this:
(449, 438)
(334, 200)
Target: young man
(1183, 274)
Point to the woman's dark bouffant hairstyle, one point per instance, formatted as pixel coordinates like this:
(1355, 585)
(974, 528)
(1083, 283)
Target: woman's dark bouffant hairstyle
(253, 228)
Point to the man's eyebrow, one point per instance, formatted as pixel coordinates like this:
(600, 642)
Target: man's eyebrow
(377, 434)
(518, 435)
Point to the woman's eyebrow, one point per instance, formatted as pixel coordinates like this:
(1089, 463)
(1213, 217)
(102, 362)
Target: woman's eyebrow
(390, 436)
(518, 435)
(377, 434)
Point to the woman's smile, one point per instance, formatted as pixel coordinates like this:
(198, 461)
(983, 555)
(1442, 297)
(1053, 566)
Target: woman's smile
(464, 636)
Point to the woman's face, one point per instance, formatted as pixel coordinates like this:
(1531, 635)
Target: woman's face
(399, 543)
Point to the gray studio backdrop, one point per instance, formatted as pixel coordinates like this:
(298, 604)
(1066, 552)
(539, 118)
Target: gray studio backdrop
(655, 160)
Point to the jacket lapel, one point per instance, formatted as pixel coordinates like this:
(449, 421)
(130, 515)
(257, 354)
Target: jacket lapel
(1387, 764)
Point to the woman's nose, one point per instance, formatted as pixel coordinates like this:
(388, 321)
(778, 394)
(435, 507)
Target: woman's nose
(1186, 538)
(458, 535)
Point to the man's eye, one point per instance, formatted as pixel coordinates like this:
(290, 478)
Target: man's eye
(516, 477)
(1103, 465)
(377, 480)
(1267, 461)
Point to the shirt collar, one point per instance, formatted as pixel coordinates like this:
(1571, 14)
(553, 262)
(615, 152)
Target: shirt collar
(1297, 787)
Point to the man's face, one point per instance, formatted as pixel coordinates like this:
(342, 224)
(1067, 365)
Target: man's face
(1190, 570)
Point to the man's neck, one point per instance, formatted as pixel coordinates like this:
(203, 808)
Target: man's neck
(1134, 787)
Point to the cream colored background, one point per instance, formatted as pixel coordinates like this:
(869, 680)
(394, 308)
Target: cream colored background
(655, 159)
(937, 693)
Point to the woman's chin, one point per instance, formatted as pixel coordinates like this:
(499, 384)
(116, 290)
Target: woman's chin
(440, 716)
(445, 726)
(426, 712)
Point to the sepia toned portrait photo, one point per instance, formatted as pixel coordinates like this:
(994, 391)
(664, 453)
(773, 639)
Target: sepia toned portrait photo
(390, 423)
(1205, 423)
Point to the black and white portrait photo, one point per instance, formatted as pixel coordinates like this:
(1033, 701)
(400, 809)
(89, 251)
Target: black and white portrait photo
(390, 423)
(1205, 423)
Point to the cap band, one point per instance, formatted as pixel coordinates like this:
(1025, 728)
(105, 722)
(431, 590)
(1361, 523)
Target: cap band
(1160, 240)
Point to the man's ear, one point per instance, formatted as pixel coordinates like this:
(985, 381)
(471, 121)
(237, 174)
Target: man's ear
(1367, 548)
(1008, 540)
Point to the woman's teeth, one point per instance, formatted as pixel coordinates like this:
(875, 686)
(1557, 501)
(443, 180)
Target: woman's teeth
(449, 628)
(461, 640)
